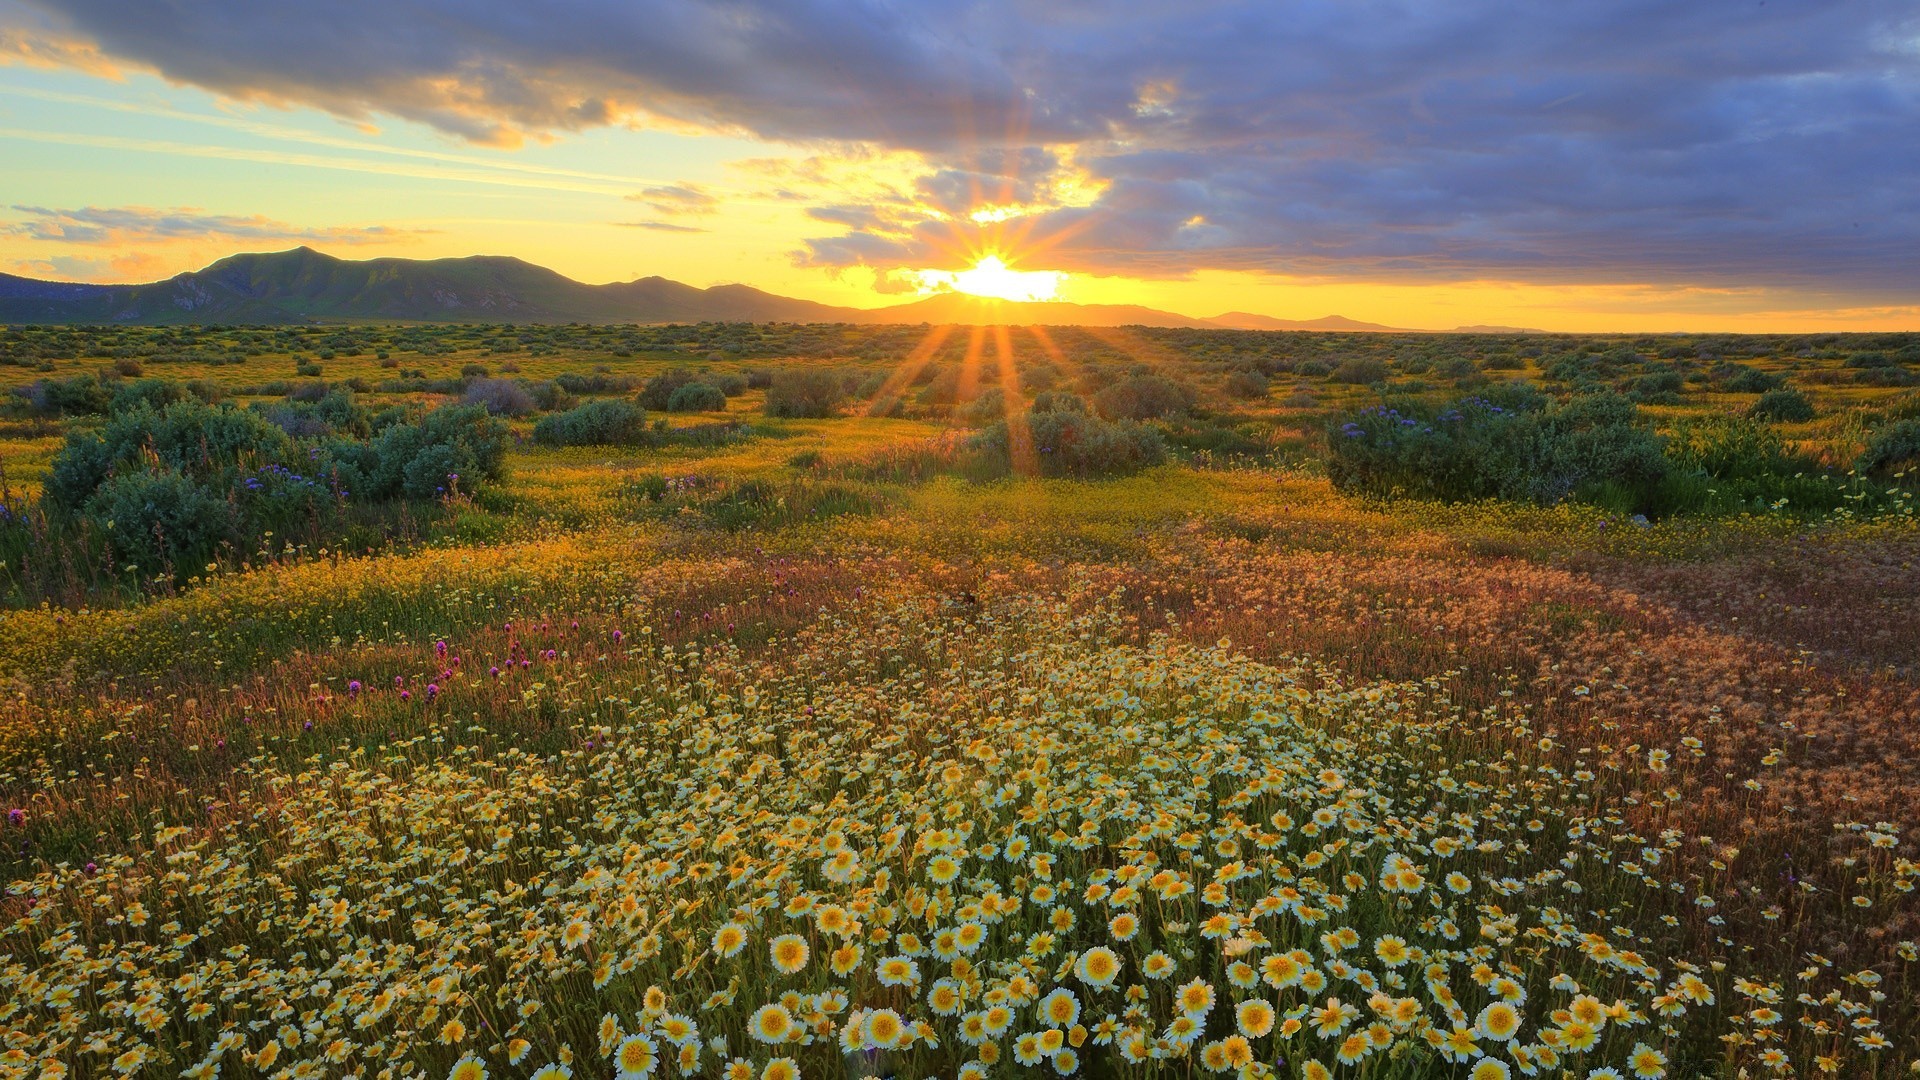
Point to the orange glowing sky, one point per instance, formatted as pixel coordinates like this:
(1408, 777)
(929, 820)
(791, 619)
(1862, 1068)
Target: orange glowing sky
(1697, 169)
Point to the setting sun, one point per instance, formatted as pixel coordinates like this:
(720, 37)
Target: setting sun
(992, 278)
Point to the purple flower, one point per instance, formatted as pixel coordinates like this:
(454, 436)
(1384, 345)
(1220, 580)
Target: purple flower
(494, 671)
(16, 816)
(433, 690)
(353, 686)
(308, 727)
(440, 648)
(616, 637)
(405, 696)
(92, 868)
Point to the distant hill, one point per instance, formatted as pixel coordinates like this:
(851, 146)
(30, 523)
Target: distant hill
(1241, 320)
(306, 286)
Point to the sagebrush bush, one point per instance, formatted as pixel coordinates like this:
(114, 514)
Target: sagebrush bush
(658, 393)
(1893, 448)
(500, 397)
(805, 393)
(1063, 442)
(1476, 449)
(1783, 404)
(1143, 397)
(610, 422)
(697, 397)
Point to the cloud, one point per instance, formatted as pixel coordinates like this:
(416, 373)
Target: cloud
(679, 199)
(1713, 142)
(139, 224)
(659, 226)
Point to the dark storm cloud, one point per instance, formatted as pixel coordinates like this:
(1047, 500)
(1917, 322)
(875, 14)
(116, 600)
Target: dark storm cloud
(1709, 142)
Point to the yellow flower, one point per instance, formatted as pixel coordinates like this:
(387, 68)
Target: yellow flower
(1254, 1017)
(789, 953)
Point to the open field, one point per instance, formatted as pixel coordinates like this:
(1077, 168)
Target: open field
(909, 739)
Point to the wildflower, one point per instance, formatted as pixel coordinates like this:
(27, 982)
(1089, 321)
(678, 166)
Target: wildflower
(729, 939)
(1254, 1017)
(1488, 1068)
(1098, 967)
(1647, 1063)
(1196, 998)
(636, 1058)
(771, 1024)
(468, 1067)
(882, 1029)
(789, 953)
(1499, 1021)
(898, 971)
(1059, 1008)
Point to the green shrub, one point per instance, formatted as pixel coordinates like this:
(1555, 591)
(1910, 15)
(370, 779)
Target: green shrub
(1364, 371)
(196, 440)
(989, 406)
(804, 392)
(152, 393)
(697, 397)
(1474, 449)
(1067, 443)
(1143, 397)
(163, 520)
(500, 397)
(659, 391)
(610, 422)
(1245, 383)
(1057, 401)
(1894, 448)
(1783, 404)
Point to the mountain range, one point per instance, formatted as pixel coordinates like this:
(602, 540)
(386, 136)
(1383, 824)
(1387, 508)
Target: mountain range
(306, 286)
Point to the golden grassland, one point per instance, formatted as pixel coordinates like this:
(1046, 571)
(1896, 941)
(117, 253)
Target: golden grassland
(1210, 769)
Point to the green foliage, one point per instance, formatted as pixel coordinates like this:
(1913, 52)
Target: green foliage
(1245, 383)
(173, 488)
(659, 391)
(1362, 371)
(1143, 397)
(500, 397)
(697, 397)
(160, 520)
(610, 422)
(1063, 442)
(1474, 449)
(1784, 404)
(804, 392)
(1894, 448)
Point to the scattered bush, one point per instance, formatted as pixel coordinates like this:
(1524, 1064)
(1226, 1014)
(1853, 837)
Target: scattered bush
(1595, 446)
(1784, 404)
(1143, 397)
(596, 423)
(804, 392)
(658, 393)
(1894, 448)
(500, 397)
(1063, 442)
(1365, 371)
(697, 397)
(1245, 383)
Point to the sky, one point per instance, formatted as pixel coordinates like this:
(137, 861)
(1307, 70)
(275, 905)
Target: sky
(1608, 165)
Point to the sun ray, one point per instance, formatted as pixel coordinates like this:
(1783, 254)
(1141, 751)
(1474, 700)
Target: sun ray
(1020, 449)
(909, 369)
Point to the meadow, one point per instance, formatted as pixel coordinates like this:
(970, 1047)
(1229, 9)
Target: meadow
(848, 701)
